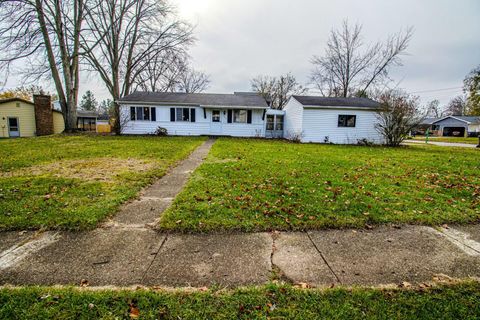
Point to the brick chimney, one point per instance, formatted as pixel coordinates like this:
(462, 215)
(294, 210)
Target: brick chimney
(43, 114)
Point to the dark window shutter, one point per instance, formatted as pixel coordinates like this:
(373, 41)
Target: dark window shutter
(172, 114)
(249, 116)
(154, 114)
(229, 116)
(132, 113)
(192, 115)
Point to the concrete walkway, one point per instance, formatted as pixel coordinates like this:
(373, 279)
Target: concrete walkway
(127, 250)
(142, 256)
(442, 144)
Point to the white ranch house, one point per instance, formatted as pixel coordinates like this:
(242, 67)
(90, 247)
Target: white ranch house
(308, 118)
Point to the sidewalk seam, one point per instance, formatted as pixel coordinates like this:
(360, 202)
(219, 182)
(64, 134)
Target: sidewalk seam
(154, 258)
(323, 257)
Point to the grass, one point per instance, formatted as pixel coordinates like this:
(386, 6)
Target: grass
(458, 301)
(471, 140)
(254, 185)
(73, 182)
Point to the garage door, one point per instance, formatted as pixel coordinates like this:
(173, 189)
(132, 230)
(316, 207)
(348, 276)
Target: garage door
(454, 132)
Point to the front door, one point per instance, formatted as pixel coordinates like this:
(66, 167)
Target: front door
(13, 128)
(216, 125)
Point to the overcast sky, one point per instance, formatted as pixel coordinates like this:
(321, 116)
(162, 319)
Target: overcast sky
(240, 39)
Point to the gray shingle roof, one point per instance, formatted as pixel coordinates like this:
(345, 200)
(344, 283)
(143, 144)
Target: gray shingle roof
(469, 119)
(87, 114)
(337, 102)
(201, 99)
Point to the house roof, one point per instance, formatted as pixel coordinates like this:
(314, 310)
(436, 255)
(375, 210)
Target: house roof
(429, 121)
(2, 101)
(466, 119)
(200, 99)
(15, 99)
(318, 101)
(87, 114)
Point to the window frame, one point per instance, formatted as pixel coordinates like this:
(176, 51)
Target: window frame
(234, 119)
(345, 122)
(214, 117)
(185, 113)
(146, 116)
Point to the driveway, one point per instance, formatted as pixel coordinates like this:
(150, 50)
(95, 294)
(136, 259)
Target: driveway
(442, 144)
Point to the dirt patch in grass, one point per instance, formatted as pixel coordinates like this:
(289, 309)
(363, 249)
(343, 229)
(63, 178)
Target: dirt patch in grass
(95, 169)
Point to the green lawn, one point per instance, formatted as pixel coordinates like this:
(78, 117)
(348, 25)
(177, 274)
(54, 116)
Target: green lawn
(459, 301)
(254, 185)
(73, 182)
(449, 139)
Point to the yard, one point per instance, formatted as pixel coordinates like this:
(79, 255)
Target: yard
(253, 185)
(73, 182)
(457, 301)
(471, 140)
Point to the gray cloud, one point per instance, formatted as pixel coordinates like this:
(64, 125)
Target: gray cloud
(239, 39)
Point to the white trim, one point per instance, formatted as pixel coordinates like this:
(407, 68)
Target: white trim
(453, 117)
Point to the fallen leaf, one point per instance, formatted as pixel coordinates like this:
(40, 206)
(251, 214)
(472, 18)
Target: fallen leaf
(134, 313)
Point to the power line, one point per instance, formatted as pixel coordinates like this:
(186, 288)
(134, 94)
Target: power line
(437, 90)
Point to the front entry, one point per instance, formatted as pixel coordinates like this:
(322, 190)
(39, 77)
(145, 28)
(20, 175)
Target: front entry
(216, 124)
(13, 128)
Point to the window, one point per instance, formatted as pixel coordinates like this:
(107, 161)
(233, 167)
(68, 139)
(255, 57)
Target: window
(182, 114)
(240, 116)
(347, 120)
(279, 123)
(215, 115)
(142, 114)
(270, 121)
(435, 127)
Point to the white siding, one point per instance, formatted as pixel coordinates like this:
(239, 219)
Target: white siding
(201, 126)
(474, 128)
(321, 123)
(293, 119)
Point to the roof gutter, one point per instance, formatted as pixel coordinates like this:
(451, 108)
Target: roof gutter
(188, 104)
(342, 108)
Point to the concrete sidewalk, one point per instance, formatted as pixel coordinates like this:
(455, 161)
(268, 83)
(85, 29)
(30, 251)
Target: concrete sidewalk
(142, 256)
(127, 250)
(441, 144)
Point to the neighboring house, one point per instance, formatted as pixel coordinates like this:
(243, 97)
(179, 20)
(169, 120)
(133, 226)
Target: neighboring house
(309, 119)
(453, 126)
(87, 120)
(23, 118)
(331, 120)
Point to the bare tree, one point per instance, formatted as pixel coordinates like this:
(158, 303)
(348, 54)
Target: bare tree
(472, 88)
(434, 110)
(457, 106)
(193, 81)
(265, 86)
(124, 36)
(398, 116)
(277, 91)
(162, 72)
(47, 32)
(348, 67)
